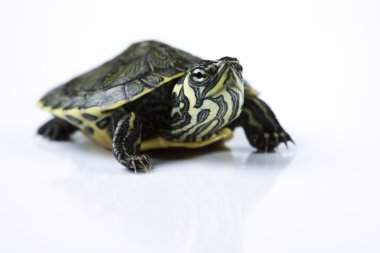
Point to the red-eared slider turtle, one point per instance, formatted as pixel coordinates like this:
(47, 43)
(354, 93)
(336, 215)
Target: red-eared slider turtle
(155, 96)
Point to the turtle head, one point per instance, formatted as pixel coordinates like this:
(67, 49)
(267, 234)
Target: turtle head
(207, 98)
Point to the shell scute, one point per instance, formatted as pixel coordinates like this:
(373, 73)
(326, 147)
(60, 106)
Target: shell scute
(135, 72)
(113, 95)
(133, 88)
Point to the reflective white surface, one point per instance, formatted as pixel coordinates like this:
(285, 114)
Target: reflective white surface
(61, 196)
(316, 64)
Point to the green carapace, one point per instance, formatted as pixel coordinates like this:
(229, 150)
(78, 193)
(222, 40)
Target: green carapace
(155, 96)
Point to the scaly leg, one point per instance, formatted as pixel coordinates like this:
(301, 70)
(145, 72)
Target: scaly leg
(261, 127)
(127, 141)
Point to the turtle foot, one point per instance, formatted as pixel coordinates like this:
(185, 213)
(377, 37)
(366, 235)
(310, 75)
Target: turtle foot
(57, 130)
(268, 142)
(140, 163)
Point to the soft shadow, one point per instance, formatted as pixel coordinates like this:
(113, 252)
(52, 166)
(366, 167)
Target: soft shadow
(215, 153)
(89, 156)
(186, 153)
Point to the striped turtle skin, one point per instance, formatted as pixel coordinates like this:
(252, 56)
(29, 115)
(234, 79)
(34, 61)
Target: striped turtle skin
(155, 96)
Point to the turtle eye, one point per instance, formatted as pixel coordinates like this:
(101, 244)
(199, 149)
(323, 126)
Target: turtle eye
(198, 75)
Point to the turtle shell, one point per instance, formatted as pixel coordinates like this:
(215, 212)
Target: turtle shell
(89, 100)
(138, 70)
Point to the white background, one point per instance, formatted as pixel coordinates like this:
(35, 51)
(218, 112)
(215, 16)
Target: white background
(315, 62)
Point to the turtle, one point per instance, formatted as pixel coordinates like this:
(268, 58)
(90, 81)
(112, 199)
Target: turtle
(153, 96)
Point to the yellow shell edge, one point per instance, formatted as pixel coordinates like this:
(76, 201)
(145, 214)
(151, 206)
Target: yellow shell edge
(157, 143)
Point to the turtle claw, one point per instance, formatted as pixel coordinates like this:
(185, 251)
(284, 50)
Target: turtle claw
(134, 166)
(286, 144)
(268, 142)
(137, 163)
(147, 161)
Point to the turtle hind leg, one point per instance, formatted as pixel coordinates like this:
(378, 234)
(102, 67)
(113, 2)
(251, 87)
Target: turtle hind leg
(57, 129)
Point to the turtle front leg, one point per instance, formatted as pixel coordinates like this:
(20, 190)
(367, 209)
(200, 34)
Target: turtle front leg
(127, 141)
(260, 125)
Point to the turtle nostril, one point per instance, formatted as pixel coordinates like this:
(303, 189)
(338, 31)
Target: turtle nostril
(232, 62)
(238, 67)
